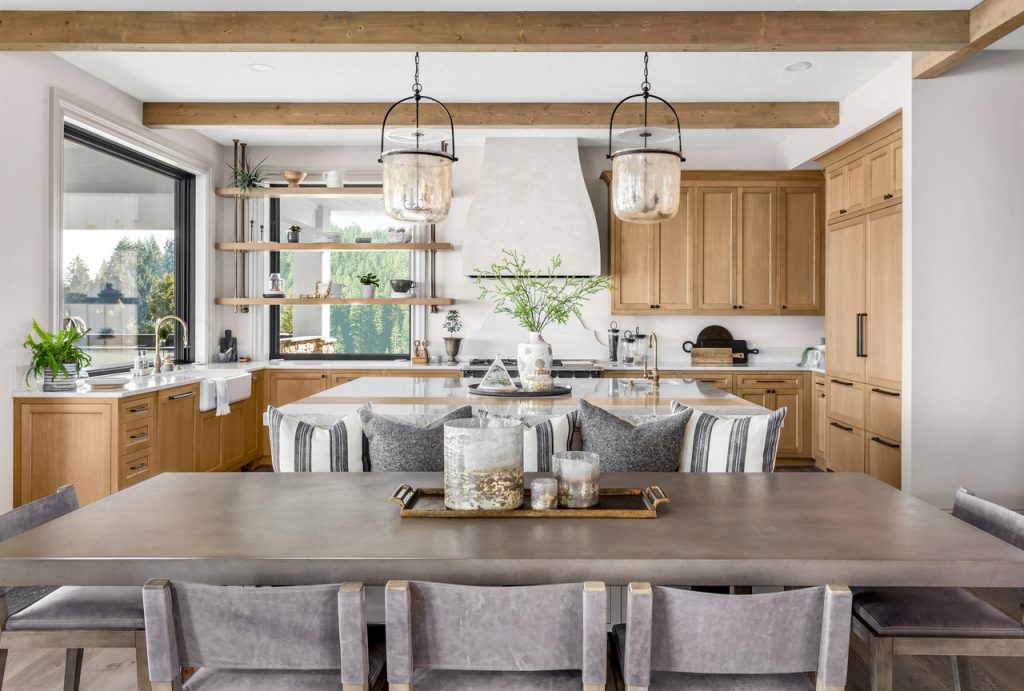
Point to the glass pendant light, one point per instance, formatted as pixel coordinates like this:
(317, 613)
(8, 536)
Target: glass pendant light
(418, 181)
(645, 177)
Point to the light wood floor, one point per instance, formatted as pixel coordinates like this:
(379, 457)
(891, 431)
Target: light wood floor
(114, 670)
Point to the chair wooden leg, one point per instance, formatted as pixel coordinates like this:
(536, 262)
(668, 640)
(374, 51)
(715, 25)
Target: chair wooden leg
(961, 673)
(73, 669)
(141, 662)
(880, 655)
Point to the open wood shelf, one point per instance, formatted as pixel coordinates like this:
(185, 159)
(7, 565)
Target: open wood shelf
(334, 246)
(269, 192)
(334, 301)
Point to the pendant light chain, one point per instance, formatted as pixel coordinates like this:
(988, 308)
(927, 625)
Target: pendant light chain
(416, 89)
(645, 87)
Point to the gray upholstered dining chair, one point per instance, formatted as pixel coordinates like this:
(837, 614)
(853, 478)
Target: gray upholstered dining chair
(941, 621)
(447, 637)
(68, 617)
(296, 637)
(679, 639)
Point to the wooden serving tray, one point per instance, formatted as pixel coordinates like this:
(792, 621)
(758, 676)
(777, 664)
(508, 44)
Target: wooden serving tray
(428, 502)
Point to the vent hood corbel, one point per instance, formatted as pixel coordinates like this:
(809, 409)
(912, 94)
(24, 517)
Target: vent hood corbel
(531, 197)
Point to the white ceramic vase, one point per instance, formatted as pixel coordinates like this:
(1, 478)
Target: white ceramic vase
(534, 360)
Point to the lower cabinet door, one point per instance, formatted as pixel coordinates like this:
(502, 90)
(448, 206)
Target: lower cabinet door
(794, 428)
(845, 448)
(820, 423)
(884, 460)
(208, 456)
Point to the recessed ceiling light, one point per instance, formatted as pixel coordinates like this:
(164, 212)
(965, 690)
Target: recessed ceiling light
(260, 67)
(798, 66)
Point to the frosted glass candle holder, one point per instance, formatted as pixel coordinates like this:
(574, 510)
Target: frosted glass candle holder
(544, 494)
(483, 464)
(579, 478)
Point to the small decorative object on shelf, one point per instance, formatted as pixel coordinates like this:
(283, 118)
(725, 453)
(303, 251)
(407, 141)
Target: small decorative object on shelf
(420, 355)
(369, 283)
(452, 343)
(483, 464)
(398, 235)
(293, 177)
(57, 356)
(535, 299)
(246, 176)
(275, 286)
(364, 240)
(579, 478)
(497, 378)
(338, 290)
(613, 342)
(293, 233)
(544, 494)
(261, 232)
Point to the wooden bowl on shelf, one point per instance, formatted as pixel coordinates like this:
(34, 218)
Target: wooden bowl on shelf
(293, 177)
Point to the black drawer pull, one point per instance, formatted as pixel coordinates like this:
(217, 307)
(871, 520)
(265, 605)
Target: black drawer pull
(842, 383)
(842, 427)
(886, 393)
(138, 466)
(883, 442)
(140, 435)
(770, 381)
(187, 394)
(139, 409)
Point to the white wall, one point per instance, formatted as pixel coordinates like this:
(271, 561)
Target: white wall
(968, 285)
(787, 332)
(25, 129)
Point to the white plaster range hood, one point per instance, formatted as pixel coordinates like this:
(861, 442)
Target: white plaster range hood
(531, 197)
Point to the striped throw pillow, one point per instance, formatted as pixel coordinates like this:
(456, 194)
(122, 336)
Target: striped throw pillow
(735, 444)
(546, 438)
(300, 447)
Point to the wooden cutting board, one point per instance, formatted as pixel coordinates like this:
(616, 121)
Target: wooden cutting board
(711, 356)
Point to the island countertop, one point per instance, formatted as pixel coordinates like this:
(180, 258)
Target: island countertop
(421, 396)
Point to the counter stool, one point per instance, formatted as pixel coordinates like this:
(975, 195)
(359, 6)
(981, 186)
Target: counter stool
(548, 637)
(297, 637)
(679, 639)
(941, 621)
(69, 617)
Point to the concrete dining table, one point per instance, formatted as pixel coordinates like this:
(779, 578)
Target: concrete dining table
(302, 528)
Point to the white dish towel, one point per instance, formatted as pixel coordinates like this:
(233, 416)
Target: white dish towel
(220, 390)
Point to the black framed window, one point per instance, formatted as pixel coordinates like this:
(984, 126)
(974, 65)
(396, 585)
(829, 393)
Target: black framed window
(338, 332)
(127, 248)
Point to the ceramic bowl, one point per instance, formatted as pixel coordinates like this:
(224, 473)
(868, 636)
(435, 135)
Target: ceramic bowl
(402, 285)
(293, 177)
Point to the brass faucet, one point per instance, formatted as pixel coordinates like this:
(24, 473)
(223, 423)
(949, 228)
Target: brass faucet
(156, 331)
(654, 375)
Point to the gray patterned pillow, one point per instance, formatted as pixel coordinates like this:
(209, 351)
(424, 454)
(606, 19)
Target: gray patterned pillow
(625, 447)
(397, 446)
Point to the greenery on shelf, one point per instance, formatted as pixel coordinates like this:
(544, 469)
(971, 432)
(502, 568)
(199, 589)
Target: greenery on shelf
(295, 228)
(53, 351)
(535, 299)
(452, 322)
(247, 176)
(369, 279)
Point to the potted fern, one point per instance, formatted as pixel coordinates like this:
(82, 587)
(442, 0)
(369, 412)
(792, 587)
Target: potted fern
(452, 343)
(370, 283)
(535, 299)
(57, 356)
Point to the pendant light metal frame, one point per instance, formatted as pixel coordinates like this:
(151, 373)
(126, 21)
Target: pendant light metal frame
(645, 93)
(417, 96)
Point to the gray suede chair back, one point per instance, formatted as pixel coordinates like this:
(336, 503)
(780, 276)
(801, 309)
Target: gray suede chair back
(994, 519)
(38, 512)
(671, 630)
(433, 626)
(318, 627)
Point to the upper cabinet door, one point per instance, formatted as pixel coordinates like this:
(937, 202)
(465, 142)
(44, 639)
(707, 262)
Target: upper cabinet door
(884, 323)
(897, 168)
(717, 224)
(801, 239)
(634, 259)
(675, 261)
(845, 269)
(757, 250)
(856, 186)
(880, 171)
(836, 192)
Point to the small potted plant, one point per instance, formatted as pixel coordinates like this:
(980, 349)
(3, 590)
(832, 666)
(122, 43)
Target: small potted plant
(370, 283)
(246, 177)
(57, 356)
(293, 233)
(452, 343)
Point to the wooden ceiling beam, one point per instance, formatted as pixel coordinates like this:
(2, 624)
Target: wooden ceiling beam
(990, 21)
(724, 115)
(941, 30)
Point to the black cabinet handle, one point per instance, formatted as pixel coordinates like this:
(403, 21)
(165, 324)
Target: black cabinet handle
(886, 393)
(139, 409)
(323, 376)
(842, 427)
(187, 394)
(883, 442)
(140, 435)
(770, 381)
(785, 307)
(841, 383)
(138, 466)
(861, 318)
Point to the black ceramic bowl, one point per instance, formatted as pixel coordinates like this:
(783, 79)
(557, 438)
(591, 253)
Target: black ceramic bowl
(402, 285)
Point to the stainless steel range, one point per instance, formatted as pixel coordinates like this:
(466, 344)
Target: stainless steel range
(560, 369)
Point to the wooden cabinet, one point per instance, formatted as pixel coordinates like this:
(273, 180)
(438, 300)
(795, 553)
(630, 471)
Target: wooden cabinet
(292, 385)
(835, 192)
(801, 247)
(846, 401)
(885, 415)
(819, 421)
(653, 262)
(753, 243)
(208, 442)
(845, 270)
(847, 189)
(883, 323)
(252, 420)
(883, 460)
(177, 414)
(783, 390)
(845, 448)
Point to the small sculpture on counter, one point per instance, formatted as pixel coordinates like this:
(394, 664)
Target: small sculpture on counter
(420, 356)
